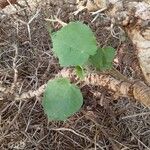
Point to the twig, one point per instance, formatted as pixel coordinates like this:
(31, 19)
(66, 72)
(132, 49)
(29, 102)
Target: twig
(92, 117)
(15, 69)
(29, 22)
(57, 20)
(4, 90)
(147, 148)
(13, 121)
(78, 134)
(27, 4)
(99, 11)
(9, 3)
(136, 115)
(71, 139)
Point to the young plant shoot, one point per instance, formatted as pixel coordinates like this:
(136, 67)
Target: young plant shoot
(74, 45)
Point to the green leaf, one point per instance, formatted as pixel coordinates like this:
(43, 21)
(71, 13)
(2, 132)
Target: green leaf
(61, 99)
(103, 59)
(80, 72)
(73, 44)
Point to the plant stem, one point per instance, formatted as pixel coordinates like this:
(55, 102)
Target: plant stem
(115, 73)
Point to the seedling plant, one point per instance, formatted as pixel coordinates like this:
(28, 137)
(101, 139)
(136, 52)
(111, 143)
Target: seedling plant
(75, 46)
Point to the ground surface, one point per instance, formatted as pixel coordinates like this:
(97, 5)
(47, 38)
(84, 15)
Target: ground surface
(102, 122)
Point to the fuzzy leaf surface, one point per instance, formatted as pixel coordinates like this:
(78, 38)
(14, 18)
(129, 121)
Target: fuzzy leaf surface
(61, 99)
(73, 44)
(103, 59)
